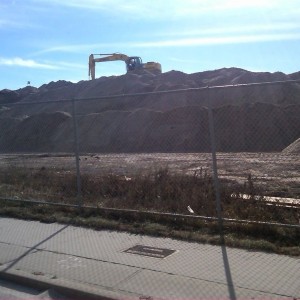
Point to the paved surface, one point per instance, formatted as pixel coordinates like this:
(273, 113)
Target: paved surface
(95, 261)
(11, 291)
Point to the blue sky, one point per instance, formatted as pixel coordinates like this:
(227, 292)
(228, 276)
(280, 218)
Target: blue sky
(43, 41)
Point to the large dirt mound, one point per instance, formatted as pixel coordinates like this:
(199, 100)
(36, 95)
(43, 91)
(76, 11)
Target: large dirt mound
(293, 148)
(32, 133)
(257, 118)
(8, 96)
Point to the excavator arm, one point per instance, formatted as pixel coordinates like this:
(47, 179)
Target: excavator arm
(109, 57)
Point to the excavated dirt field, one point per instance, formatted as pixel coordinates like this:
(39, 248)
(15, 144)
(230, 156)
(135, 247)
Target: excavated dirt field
(278, 174)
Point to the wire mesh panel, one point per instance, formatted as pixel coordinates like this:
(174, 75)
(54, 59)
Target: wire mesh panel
(154, 160)
(149, 151)
(34, 165)
(260, 179)
(192, 175)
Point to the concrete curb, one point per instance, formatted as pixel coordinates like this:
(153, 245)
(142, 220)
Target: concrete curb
(69, 289)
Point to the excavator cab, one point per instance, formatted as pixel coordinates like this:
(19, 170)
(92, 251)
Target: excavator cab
(134, 63)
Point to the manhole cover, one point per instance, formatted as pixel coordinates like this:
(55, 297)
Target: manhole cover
(150, 251)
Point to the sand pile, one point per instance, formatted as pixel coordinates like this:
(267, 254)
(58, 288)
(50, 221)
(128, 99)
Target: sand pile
(246, 119)
(293, 148)
(32, 133)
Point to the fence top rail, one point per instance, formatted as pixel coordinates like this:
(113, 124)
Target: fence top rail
(166, 214)
(199, 89)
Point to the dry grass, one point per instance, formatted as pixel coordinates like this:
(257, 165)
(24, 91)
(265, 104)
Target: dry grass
(156, 191)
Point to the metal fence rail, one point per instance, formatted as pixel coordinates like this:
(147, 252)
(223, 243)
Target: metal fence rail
(199, 89)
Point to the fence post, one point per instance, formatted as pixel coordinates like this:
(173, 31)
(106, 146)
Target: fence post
(214, 160)
(76, 152)
(230, 285)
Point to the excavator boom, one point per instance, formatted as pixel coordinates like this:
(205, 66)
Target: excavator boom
(108, 57)
(111, 57)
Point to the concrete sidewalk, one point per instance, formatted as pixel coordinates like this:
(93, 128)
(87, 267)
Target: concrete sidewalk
(96, 261)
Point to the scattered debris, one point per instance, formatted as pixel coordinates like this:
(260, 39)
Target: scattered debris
(190, 210)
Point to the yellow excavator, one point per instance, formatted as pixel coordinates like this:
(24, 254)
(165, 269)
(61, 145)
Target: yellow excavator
(133, 63)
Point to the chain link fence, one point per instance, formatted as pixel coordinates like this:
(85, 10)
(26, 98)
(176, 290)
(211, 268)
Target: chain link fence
(33, 167)
(169, 161)
(209, 171)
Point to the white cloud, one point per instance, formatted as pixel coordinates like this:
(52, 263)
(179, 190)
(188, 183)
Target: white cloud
(246, 28)
(277, 24)
(173, 8)
(29, 63)
(202, 41)
(181, 42)
(74, 48)
(4, 24)
(67, 65)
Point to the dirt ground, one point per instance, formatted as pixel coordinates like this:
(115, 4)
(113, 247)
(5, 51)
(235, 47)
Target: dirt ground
(276, 174)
